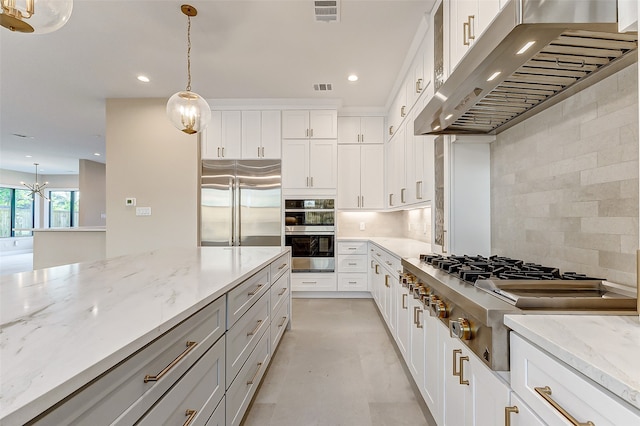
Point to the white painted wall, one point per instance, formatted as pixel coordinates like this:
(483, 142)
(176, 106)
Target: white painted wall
(93, 193)
(149, 159)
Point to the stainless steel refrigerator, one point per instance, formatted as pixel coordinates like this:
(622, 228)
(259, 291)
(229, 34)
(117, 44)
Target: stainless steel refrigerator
(240, 203)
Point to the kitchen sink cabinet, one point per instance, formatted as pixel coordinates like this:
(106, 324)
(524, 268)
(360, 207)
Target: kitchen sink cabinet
(261, 134)
(313, 124)
(309, 164)
(223, 136)
(360, 181)
(368, 130)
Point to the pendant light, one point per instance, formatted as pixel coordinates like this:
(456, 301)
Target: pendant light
(187, 110)
(36, 188)
(35, 16)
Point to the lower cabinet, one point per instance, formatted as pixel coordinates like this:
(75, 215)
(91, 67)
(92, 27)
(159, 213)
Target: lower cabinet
(518, 413)
(352, 266)
(218, 418)
(303, 281)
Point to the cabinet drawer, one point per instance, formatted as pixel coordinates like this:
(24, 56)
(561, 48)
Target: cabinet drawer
(244, 386)
(356, 263)
(279, 324)
(353, 282)
(532, 368)
(279, 292)
(244, 335)
(280, 266)
(195, 396)
(352, 247)
(218, 417)
(240, 299)
(121, 394)
(326, 282)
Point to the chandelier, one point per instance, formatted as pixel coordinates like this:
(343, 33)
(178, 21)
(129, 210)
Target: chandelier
(35, 16)
(36, 188)
(187, 110)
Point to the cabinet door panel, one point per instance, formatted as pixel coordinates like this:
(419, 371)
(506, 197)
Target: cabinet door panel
(251, 124)
(271, 134)
(349, 176)
(372, 176)
(295, 163)
(295, 124)
(323, 124)
(405, 323)
(323, 167)
(372, 129)
(348, 130)
(212, 137)
(231, 134)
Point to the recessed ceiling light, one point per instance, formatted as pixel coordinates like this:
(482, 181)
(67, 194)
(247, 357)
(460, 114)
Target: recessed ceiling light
(494, 75)
(143, 78)
(97, 154)
(28, 156)
(525, 47)
(352, 77)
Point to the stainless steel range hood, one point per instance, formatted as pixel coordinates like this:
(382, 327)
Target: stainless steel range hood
(576, 44)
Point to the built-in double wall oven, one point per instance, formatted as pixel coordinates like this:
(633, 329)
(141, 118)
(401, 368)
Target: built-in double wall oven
(310, 232)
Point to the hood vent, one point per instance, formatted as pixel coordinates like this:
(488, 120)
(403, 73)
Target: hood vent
(499, 83)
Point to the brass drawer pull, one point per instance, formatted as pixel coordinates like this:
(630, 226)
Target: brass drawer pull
(255, 330)
(253, 379)
(191, 414)
(282, 266)
(455, 361)
(418, 312)
(353, 264)
(284, 319)
(507, 414)
(256, 290)
(386, 281)
(545, 393)
(190, 347)
(462, 380)
(404, 301)
(283, 291)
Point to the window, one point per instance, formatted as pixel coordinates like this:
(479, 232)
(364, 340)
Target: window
(63, 209)
(16, 211)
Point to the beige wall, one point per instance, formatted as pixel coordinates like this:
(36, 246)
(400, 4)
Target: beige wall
(415, 224)
(149, 159)
(564, 184)
(93, 193)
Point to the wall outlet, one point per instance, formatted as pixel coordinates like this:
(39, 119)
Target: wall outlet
(130, 202)
(362, 226)
(143, 211)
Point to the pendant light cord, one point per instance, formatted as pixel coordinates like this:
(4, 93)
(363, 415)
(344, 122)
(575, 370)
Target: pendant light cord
(188, 53)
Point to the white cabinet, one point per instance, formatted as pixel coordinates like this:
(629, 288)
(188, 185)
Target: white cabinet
(396, 171)
(467, 20)
(313, 282)
(360, 130)
(432, 382)
(352, 266)
(360, 176)
(314, 124)
(416, 352)
(418, 164)
(404, 327)
(551, 387)
(222, 137)
(261, 134)
(520, 414)
(309, 163)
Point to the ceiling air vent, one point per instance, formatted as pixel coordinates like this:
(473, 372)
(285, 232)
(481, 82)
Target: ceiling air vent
(326, 10)
(322, 87)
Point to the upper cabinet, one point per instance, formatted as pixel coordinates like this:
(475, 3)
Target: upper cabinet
(309, 164)
(314, 124)
(222, 137)
(467, 20)
(261, 135)
(360, 130)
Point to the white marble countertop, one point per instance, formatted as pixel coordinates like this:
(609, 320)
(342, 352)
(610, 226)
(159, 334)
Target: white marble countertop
(402, 247)
(606, 349)
(61, 327)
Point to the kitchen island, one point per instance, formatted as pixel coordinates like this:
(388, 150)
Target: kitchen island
(63, 327)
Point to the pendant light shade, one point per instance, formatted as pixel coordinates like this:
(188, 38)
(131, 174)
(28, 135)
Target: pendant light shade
(187, 110)
(35, 16)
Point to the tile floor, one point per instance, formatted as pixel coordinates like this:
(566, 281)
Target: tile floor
(14, 263)
(336, 366)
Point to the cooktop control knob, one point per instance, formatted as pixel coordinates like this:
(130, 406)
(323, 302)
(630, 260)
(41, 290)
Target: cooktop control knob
(439, 308)
(461, 328)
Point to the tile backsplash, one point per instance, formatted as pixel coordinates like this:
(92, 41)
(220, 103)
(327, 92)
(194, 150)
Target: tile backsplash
(415, 224)
(564, 183)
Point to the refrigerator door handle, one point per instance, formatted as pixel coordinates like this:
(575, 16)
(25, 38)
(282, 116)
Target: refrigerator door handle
(232, 211)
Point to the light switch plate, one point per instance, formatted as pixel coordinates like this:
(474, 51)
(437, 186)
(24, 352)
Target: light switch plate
(143, 211)
(362, 226)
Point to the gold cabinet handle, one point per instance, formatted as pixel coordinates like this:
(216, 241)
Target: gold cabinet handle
(403, 111)
(223, 152)
(470, 27)
(258, 151)
(218, 151)
(418, 312)
(419, 190)
(378, 273)
(391, 199)
(455, 361)
(465, 31)
(255, 330)
(391, 130)
(507, 414)
(307, 133)
(256, 290)
(311, 176)
(284, 265)
(415, 319)
(402, 199)
(253, 379)
(372, 264)
(545, 393)
(283, 291)
(190, 347)
(404, 301)
(461, 376)
(419, 85)
(362, 137)
(284, 319)
(386, 280)
(263, 152)
(191, 415)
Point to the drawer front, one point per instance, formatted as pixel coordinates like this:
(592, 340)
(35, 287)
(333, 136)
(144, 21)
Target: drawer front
(532, 368)
(121, 395)
(244, 386)
(356, 263)
(352, 247)
(314, 284)
(195, 396)
(279, 324)
(218, 417)
(240, 299)
(279, 292)
(280, 266)
(353, 282)
(520, 414)
(244, 335)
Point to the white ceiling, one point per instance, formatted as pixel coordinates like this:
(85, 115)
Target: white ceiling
(53, 86)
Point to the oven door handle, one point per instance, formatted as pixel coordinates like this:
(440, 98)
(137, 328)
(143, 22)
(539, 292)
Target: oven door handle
(310, 233)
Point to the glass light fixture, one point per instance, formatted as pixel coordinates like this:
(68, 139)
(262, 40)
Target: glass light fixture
(36, 188)
(35, 16)
(187, 110)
